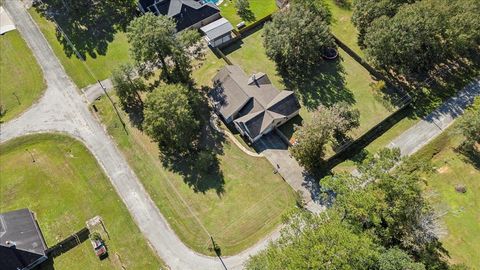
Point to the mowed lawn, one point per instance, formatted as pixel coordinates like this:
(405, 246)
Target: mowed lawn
(101, 65)
(462, 214)
(344, 80)
(65, 187)
(249, 208)
(260, 8)
(342, 26)
(21, 78)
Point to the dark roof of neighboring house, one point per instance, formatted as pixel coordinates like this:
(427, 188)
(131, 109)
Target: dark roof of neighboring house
(185, 12)
(27, 246)
(255, 99)
(217, 28)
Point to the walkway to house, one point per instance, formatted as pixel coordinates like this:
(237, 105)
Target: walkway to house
(213, 123)
(436, 122)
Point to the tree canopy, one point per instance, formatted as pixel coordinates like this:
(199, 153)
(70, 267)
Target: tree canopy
(155, 44)
(420, 35)
(326, 125)
(171, 118)
(298, 36)
(366, 11)
(317, 242)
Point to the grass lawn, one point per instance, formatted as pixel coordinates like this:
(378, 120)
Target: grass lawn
(342, 26)
(239, 207)
(462, 218)
(205, 69)
(260, 8)
(65, 187)
(21, 78)
(101, 65)
(345, 80)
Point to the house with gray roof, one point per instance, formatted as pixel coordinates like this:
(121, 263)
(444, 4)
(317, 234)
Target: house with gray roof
(22, 245)
(252, 103)
(186, 13)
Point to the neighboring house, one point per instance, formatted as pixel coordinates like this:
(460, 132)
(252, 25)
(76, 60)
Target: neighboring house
(186, 13)
(21, 242)
(218, 33)
(252, 103)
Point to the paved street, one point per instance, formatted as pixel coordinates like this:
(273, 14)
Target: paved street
(63, 109)
(435, 123)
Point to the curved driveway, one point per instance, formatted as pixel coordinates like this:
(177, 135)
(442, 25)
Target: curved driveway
(62, 109)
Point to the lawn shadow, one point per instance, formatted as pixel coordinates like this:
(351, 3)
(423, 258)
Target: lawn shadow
(468, 155)
(320, 85)
(89, 25)
(200, 168)
(445, 81)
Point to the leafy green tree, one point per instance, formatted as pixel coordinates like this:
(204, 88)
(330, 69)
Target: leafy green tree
(298, 36)
(327, 123)
(366, 11)
(128, 86)
(469, 125)
(397, 259)
(155, 44)
(386, 201)
(243, 10)
(317, 242)
(171, 119)
(409, 42)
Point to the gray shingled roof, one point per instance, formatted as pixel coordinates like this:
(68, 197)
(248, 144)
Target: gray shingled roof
(255, 99)
(20, 228)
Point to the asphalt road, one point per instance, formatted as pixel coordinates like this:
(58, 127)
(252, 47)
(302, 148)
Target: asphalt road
(436, 122)
(63, 109)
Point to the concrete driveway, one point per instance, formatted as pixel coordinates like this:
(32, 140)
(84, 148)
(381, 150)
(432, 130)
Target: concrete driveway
(276, 151)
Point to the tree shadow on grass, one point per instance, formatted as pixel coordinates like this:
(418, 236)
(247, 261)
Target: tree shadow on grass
(320, 85)
(200, 168)
(90, 25)
(469, 155)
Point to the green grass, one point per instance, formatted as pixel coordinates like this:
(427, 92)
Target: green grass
(251, 206)
(346, 80)
(342, 26)
(462, 218)
(205, 69)
(101, 65)
(65, 187)
(20, 76)
(260, 8)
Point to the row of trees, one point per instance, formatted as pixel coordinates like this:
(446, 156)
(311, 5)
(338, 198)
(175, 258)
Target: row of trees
(413, 37)
(170, 114)
(379, 220)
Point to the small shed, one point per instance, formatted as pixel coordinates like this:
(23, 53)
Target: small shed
(218, 33)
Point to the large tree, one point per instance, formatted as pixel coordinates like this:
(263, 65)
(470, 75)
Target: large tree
(155, 44)
(317, 242)
(298, 36)
(424, 34)
(326, 125)
(366, 11)
(409, 42)
(171, 118)
(386, 201)
(128, 86)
